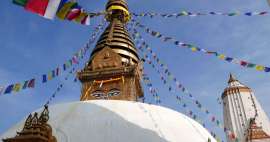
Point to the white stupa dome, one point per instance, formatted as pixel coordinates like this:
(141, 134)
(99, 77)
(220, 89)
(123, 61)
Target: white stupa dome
(119, 121)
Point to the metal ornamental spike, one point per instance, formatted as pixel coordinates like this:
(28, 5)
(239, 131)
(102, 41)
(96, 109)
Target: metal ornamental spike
(117, 9)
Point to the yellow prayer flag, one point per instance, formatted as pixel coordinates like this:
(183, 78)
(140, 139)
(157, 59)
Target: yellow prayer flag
(221, 56)
(193, 49)
(17, 87)
(50, 76)
(64, 10)
(80, 17)
(259, 68)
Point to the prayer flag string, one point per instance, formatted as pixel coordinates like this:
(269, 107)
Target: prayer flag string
(29, 84)
(178, 98)
(72, 71)
(63, 9)
(152, 90)
(194, 48)
(179, 86)
(147, 59)
(195, 14)
(59, 87)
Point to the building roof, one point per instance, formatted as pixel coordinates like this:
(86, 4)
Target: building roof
(256, 133)
(119, 121)
(233, 82)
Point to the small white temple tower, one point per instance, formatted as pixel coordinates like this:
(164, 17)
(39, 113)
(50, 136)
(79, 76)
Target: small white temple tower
(243, 114)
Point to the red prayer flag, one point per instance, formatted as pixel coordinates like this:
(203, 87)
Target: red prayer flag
(73, 13)
(31, 83)
(37, 6)
(243, 63)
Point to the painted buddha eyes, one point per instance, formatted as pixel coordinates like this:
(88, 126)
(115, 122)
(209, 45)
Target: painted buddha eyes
(113, 92)
(101, 95)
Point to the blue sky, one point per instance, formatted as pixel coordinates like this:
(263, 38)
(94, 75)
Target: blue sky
(31, 45)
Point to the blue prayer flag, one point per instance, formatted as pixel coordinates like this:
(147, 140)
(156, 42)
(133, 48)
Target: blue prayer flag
(44, 78)
(9, 89)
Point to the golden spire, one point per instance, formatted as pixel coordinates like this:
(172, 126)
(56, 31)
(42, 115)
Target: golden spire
(114, 69)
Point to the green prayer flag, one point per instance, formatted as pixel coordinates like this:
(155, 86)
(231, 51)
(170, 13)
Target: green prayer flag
(20, 2)
(250, 65)
(232, 14)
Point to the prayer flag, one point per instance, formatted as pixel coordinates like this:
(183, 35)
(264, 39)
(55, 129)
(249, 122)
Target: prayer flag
(25, 84)
(221, 56)
(63, 11)
(263, 13)
(52, 8)
(61, 4)
(259, 68)
(50, 76)
(250, 65)
(57, 71)
(31, 83)
(44, 78)
(193, 49)
(233, 14)
(1, 89)
(53, 74)
(86, 20)
(267, 69)
(184, 13)
(74, 60)
(248, 13)
(229, 59)
(243, 63)
(20, 2)
(17, 87)
(37, 6)
(64, 67)
(213, 119)
(74, 12)
(9, 89)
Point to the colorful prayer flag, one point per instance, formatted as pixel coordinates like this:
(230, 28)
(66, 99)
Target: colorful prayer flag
(1, 89)
(25, 84)
(51, 9)
(86, 20)
(9, 89)
(31, 83)
(44, 78)
(63, 11)
(57, 71)
(17, 87)
(267, 69)
(50, 76)
(20, 2)
(259, 68)
(37, 6)
(73, 13)
(64, 67)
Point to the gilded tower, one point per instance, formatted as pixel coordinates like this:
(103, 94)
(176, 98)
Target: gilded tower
(114, 69)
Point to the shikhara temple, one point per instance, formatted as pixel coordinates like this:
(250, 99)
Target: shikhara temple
(111, 108)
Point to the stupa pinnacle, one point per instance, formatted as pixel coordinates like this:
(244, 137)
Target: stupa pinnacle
(113, 71)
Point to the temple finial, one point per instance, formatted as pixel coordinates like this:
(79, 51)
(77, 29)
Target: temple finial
(232, 78)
